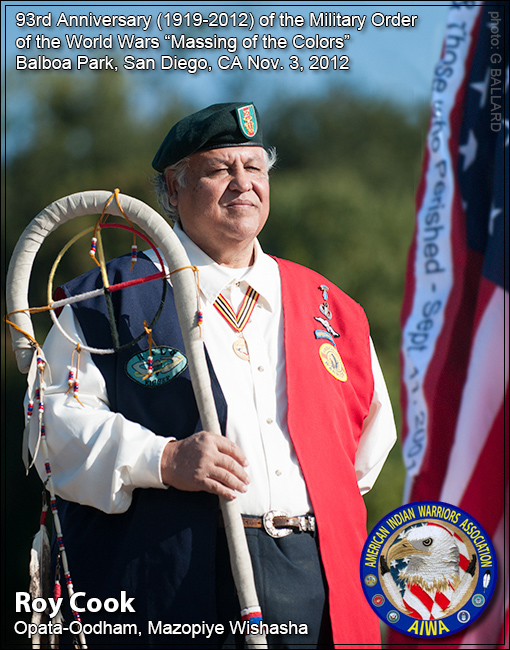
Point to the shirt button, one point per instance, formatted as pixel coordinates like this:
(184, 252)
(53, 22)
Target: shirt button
(260, 368)
(269, 420)
(238, 284)
(278, 472)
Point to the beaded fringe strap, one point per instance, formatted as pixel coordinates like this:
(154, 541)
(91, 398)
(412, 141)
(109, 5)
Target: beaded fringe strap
(49, 486)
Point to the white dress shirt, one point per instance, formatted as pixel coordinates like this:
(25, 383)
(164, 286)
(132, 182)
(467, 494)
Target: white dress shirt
(99, 457)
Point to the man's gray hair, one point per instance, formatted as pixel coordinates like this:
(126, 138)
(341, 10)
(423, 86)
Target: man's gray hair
(180, 170)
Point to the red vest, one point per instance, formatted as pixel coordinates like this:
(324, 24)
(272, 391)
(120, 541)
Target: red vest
(325, 419)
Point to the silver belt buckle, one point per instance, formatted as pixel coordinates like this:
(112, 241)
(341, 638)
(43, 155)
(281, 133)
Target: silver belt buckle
(269, 527)
(307, 523)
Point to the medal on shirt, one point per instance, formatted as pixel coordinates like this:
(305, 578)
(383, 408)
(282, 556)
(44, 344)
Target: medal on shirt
(241, 349)
(328, 352)
(238, 321)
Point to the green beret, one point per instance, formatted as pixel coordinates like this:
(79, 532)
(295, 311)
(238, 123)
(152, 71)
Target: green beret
(219, 125)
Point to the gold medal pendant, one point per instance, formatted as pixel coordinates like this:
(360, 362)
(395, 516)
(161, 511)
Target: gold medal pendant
(241, 349)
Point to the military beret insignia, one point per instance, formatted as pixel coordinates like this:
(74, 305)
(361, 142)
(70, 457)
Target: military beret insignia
(220, 125)
(247, 120)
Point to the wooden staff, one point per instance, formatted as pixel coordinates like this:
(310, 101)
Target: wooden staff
(18, 278)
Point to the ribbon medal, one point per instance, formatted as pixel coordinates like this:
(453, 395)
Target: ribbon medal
(238, 321)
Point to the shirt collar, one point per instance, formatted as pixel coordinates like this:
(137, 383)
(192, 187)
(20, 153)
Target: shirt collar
(263, 275)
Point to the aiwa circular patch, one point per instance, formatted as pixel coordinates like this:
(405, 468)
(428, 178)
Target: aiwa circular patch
(428, 569)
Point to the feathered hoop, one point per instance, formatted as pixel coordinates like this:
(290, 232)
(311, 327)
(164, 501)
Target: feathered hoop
(185, 291)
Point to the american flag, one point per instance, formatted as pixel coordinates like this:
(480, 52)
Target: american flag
(455, 311)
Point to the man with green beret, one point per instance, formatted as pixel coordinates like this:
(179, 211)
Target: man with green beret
(301, 399)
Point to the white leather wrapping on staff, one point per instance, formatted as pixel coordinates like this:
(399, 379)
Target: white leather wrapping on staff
(162, 235)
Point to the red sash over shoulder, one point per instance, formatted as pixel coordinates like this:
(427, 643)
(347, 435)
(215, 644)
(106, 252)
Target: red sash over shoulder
(329, 389)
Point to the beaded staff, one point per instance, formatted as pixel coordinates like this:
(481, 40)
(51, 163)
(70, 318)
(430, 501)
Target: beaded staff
(190, 318)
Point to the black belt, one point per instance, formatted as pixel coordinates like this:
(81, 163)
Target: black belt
(278, 524)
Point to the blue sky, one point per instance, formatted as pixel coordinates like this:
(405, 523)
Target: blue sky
(394, 63)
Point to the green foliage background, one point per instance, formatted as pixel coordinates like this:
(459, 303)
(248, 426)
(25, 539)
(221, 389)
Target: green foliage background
(342, 204)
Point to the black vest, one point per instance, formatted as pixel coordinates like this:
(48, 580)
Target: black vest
(162, 550)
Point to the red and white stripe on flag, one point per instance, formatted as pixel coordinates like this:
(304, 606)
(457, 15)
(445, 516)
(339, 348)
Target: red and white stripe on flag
(454, 352)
